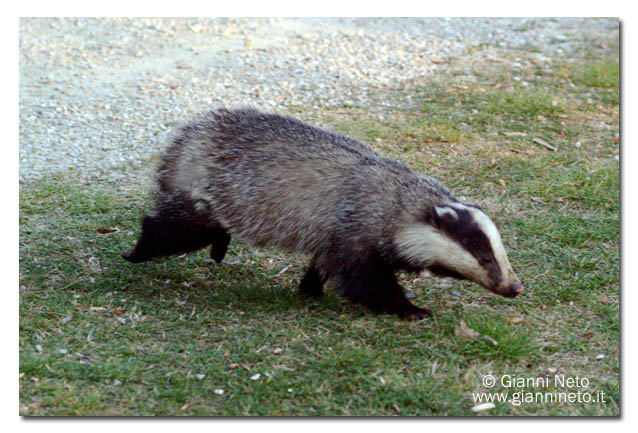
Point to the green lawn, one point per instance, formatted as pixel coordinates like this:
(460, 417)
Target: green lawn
(183, 336)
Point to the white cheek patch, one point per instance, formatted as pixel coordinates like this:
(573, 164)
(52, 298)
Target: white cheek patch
(424, 245)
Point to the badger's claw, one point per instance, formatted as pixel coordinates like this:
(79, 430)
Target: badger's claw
(408, 311)
(127, 253)
(132, 255)
(417, 314)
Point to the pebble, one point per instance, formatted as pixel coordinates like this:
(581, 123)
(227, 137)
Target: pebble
(102, 96)
(483, 407)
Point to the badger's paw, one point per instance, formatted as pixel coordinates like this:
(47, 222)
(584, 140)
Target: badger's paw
(133, 255)
(408, 311)
(417, 314)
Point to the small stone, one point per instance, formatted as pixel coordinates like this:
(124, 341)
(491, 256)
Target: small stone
(490, 340)
(197, 28)
(483, 406)
(255, 377)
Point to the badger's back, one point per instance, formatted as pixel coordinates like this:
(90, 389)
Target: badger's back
(276, 181)
(223, 138)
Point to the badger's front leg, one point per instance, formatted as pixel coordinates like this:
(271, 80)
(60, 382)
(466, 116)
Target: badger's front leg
(377, 288)
(219, 246)
(406, 309)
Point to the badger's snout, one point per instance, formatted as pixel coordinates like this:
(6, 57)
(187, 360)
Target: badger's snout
(508, 289)
(513, 290)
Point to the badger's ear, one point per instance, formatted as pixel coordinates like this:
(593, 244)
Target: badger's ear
(438, 216)
(444, 212)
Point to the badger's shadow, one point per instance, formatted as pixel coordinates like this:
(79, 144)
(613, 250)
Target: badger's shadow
(228, 286)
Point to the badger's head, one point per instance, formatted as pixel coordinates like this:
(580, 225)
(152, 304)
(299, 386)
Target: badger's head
(459, 240)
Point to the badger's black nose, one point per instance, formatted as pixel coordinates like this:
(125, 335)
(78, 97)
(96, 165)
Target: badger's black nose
(515, 289)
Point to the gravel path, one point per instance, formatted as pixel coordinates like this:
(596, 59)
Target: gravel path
(98, 97)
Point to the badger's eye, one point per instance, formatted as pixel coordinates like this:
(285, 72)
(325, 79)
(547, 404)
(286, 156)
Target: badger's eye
(487, 260)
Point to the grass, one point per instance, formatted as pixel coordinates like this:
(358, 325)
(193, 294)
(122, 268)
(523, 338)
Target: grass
(99, 336)
(602, 74)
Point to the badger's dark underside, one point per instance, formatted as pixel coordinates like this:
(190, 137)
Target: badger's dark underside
(368, 281)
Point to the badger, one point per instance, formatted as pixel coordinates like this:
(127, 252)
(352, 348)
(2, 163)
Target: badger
(278, 182)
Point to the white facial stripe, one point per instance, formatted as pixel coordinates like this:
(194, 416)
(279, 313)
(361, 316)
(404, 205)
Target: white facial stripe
(443, 210)
(423, 244)
(494, 237)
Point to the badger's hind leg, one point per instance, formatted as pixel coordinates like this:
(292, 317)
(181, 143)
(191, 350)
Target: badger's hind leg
(177, 227)
(161, 237)
(377, 288)
(312, 282)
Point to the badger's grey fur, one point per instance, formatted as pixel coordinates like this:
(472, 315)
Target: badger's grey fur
(278, 182)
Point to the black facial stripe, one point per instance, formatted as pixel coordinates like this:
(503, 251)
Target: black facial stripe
(464, 230)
